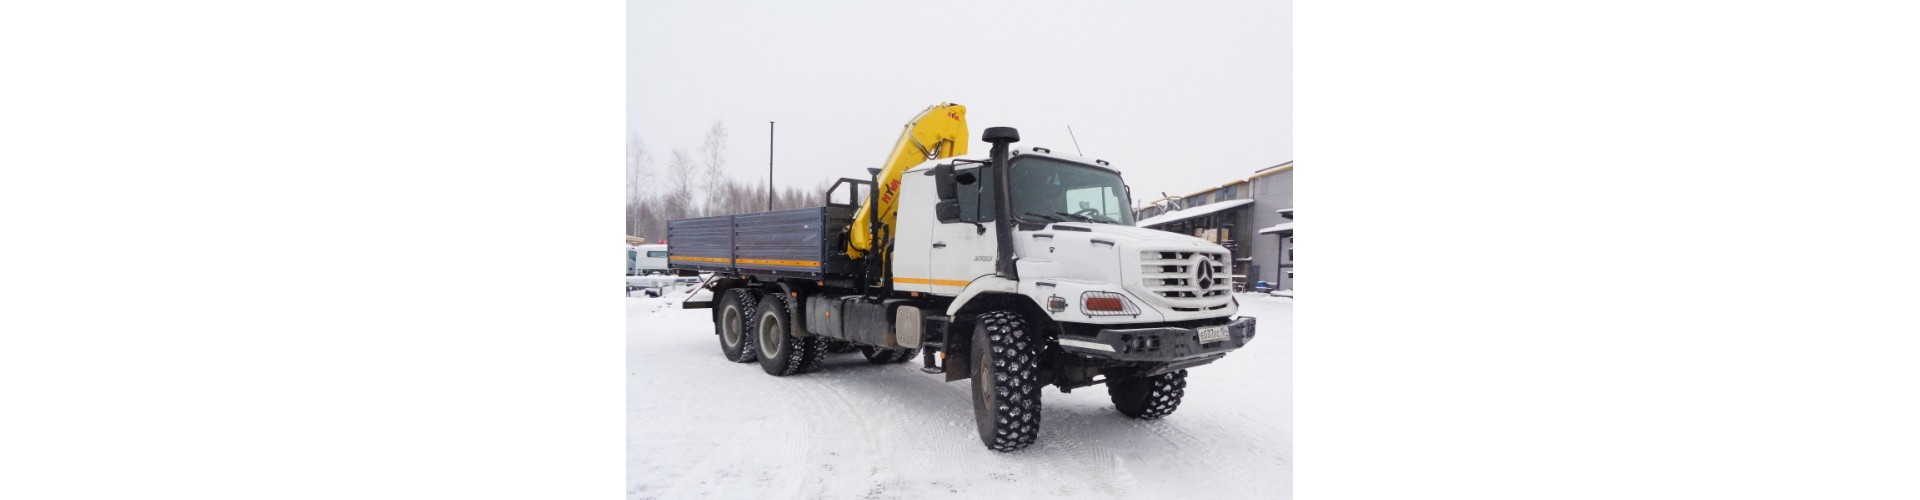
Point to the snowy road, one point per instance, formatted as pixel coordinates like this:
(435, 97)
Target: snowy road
(702, 427)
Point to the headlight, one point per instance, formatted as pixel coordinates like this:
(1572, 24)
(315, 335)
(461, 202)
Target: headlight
(1107, 304)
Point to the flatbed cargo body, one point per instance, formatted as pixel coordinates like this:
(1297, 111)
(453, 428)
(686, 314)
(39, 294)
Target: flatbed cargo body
(799, 242)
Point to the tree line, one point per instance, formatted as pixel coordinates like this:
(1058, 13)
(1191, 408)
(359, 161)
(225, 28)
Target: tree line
(696, 184)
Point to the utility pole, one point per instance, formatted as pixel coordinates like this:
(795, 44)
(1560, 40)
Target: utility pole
(770, 166)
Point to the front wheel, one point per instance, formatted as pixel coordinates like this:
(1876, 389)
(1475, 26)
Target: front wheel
(1006, 389)
(1148, 398)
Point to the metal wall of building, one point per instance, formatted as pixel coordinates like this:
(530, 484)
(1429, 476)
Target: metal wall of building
(1270, 192)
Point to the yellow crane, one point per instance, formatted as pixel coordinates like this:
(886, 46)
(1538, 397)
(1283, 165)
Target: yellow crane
(938, 132)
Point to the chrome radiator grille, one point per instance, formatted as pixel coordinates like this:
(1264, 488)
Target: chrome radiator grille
(1176, 277)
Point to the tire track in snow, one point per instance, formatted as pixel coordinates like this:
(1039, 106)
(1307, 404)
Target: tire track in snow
(888, 431)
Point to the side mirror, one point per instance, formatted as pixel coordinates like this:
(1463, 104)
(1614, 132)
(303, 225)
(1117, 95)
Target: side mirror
(947, 211)
(943, 181)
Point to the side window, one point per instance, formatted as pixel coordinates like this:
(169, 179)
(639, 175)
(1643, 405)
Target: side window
(657, 253)
(976, 198)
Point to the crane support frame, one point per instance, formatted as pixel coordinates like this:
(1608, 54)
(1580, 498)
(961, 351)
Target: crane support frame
(940, 131)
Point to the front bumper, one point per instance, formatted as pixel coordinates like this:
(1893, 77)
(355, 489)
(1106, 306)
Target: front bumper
(1175, 345)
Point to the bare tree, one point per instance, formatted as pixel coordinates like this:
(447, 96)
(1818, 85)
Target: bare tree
(683, 178)
(639, 185)
(713, 161)
(696, 185)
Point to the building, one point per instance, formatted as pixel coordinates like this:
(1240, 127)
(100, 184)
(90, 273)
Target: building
(1282, 254)
(1252, 217)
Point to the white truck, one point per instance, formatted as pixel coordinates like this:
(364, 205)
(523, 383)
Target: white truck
(648, 259)
(1014, 271)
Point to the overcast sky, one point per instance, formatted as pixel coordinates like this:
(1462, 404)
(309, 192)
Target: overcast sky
(1179, 96)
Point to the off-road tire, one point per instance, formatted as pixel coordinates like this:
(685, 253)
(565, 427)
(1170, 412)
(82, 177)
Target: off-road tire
(887, 356)
(816, 354)
(781, 354)
(840, 347)
(1006, 389)
(813, 349)
(1148, 398)
(737, 306)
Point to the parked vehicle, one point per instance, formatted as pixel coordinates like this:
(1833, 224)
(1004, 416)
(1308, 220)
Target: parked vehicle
(647, 260)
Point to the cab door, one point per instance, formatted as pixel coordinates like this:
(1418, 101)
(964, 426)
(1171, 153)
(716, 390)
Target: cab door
(964, 249)
(943, 257)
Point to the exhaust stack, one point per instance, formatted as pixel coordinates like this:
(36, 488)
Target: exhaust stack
(1001, 137)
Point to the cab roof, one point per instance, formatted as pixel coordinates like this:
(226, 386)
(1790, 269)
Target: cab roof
(1016, 153)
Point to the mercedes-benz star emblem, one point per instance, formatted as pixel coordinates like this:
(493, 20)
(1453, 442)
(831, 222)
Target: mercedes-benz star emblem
(1203, 276)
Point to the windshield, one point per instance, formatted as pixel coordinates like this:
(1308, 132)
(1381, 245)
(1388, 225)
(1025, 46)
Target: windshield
(1060, 191)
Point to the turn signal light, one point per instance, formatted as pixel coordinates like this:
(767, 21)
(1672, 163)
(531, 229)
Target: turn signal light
(1107, 304)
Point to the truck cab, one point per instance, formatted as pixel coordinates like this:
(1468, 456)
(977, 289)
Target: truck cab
(1074, 237)
(647, 260)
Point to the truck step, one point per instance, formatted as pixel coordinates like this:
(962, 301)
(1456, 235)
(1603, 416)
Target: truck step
(927, 364)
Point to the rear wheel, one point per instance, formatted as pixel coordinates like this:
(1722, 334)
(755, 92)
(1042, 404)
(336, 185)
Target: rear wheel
(887, 356)
(735, 325)
(1148, 398)
(815, 354)
(1006, 392)
(781, 353)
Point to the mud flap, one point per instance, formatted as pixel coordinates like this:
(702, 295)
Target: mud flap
(957, 342)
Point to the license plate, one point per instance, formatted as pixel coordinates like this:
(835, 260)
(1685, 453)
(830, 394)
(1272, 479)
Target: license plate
(1211, 334)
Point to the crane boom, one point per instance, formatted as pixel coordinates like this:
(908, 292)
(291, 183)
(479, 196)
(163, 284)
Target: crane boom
(938, 132)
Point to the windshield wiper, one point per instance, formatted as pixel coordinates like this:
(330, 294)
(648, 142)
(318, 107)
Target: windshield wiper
(1047, 217)
(1102, 220)
(1077, 216)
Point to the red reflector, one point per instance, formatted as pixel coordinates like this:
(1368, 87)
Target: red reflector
(1104, 304)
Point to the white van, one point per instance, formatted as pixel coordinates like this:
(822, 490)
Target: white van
(643, 260)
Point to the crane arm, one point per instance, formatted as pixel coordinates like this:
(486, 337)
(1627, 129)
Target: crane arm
(938, 132)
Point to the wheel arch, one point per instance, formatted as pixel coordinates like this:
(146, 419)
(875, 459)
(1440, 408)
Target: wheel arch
(958, 346)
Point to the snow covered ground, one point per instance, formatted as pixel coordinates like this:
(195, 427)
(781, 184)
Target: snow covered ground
(701, 427)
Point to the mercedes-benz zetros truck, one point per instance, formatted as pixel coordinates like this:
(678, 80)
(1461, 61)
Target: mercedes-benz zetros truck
(1013, 272)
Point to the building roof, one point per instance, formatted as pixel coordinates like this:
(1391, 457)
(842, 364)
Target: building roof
(1284, 226)
(1273, 169)
(1180, 215)
(1256, 174)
